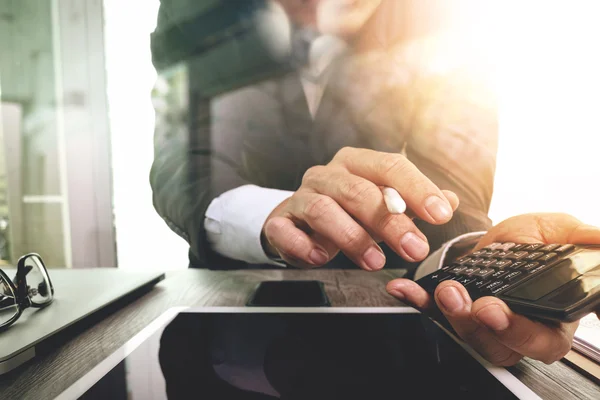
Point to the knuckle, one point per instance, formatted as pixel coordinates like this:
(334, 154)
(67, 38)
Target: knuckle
(352, 236)
(393, 224)
(343, 153)
(274, 227)
(393, 164)
(548, 359)
(566, 348)
(386, 222)
(319, 206)
(294, 244)
(359, 191)
(527, 342)
(312, 173)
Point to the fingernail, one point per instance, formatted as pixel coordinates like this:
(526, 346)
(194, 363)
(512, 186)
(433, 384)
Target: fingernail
(451, 299)
(494, 317)
(414, 246)
(318, 257)
(439, 210)
(374, 258)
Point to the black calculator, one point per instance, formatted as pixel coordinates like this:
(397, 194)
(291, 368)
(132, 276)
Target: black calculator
(550, 281)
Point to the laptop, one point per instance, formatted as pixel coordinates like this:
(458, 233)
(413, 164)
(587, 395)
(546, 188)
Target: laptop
(79, 295)
(265, 353)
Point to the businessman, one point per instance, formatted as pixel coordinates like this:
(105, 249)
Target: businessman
(287, 172)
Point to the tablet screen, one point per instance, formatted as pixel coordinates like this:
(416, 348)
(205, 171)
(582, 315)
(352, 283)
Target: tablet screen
(276, 355)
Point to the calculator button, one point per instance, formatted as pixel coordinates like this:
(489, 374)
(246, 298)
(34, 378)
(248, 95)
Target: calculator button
(538, 268)
(507, 246)
(565, 248)
(479, 253)
(534, 256)
(518, 264)
(470, 271)
(430, 281)
(514, 275)
(517, 255)
(530, 266)
(550, 247)
(493, 246)
(473, 262)
(532, 247)
(446, 267)
(474, 288)
(458, 270)
(466, 280)
(490, 253)
(548, 257)
(500, 288)
(498, 274)
(503, 254)
(486, 262)
(476, 283)
(491, 286)
(518, 247)
(482, 273)
(462, 260)
(501, 264)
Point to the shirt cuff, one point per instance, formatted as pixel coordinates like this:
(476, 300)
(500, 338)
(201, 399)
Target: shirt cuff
(234, 222)
(439, 257)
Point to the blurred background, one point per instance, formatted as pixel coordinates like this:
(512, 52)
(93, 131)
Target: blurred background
(77, 122)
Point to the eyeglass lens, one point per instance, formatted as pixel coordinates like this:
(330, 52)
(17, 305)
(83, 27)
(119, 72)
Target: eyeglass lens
(8, 303)
(37, 281)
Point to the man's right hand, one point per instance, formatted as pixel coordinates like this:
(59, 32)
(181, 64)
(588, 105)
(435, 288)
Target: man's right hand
(340, 207)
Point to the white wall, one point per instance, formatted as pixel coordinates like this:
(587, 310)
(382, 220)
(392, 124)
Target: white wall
(549, 91)
(143, 239)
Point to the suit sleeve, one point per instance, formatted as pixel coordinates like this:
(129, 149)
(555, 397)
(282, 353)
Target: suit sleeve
(182, 176)
(206, 146)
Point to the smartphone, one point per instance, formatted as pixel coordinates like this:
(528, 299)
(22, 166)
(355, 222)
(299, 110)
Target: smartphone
(289, 294)
(558, 282)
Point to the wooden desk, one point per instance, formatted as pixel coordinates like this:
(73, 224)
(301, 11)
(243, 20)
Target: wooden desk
(47, 376)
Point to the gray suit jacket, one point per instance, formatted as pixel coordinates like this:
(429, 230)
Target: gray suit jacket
(263, 134)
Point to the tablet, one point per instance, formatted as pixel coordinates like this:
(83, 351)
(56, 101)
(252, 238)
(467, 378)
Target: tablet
(295, 353)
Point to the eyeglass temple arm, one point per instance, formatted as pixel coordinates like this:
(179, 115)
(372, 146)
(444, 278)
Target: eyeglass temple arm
(20, 281)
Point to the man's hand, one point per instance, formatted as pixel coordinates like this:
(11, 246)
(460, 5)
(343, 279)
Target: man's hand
(488, 325)
(340, 207)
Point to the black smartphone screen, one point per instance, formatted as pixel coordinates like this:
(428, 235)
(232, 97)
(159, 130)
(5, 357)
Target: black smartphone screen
(289, 294)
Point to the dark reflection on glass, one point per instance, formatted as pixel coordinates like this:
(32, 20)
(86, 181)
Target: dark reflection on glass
(299, 356)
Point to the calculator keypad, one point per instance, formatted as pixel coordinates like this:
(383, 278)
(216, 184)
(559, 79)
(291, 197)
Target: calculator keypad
(498, 267)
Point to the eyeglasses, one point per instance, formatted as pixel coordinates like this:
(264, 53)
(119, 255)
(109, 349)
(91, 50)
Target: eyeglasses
(31, 287)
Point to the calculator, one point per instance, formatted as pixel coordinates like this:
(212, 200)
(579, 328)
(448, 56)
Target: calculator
(549, 281)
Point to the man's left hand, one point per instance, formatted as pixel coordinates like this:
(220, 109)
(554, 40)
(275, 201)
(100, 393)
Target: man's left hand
(488, 325)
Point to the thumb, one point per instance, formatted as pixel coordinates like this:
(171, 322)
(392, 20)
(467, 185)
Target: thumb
(585, 234)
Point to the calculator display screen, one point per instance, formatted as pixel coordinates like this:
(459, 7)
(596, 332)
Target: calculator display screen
(567, 270)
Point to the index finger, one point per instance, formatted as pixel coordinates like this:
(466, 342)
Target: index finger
(421, 195)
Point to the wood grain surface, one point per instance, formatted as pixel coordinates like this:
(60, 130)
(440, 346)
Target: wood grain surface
(72, 357)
